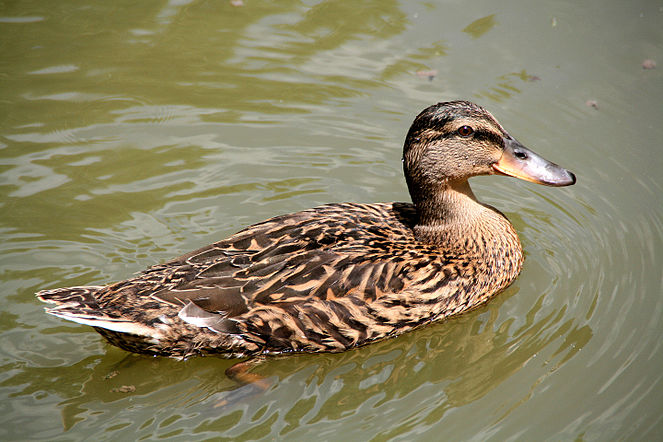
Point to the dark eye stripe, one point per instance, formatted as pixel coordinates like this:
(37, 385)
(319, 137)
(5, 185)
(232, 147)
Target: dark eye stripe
(479, 134)
(485, 135)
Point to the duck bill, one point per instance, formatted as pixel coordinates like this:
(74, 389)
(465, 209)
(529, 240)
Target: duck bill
(520, 162)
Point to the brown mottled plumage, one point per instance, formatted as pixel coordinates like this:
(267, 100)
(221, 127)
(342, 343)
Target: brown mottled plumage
(336, 276)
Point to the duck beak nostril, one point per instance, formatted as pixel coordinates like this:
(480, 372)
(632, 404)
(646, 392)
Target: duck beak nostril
(519, 162)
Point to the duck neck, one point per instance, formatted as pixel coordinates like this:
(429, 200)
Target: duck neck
(450, 208)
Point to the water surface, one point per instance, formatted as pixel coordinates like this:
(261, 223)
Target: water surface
(131, 133)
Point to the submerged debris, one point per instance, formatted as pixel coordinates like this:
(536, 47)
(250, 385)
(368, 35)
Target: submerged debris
(592, 103)
(112, 374)
(427, 74)
(649, 64)
(124, 389)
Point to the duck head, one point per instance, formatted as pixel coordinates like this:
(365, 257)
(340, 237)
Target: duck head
(452, 141)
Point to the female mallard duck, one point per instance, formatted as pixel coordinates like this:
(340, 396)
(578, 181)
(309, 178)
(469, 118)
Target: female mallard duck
(336, 276)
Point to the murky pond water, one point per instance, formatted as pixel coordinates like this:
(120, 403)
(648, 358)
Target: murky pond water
(134, 132)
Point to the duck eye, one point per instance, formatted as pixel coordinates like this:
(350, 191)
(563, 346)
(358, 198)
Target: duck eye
(465, 131)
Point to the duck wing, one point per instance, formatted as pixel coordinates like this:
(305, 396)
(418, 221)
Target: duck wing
(325, 253)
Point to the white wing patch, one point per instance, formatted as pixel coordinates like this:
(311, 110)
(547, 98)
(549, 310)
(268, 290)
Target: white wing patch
(195, 315)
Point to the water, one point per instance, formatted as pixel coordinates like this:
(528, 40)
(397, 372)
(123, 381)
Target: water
(132, 133)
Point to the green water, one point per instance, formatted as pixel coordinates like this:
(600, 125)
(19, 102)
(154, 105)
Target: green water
(132, 132)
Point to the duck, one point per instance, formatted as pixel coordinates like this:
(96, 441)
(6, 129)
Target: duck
(338, 276)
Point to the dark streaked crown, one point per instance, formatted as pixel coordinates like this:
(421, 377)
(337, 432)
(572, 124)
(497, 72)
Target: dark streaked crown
(437, 117)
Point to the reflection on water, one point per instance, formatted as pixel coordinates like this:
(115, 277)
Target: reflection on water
(480, 26)
(132, 135)
(434, 370)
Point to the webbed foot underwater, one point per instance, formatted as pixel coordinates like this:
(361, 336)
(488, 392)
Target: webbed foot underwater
(336, 276)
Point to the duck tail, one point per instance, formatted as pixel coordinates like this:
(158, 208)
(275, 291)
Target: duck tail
(78, 304)
(82, 296)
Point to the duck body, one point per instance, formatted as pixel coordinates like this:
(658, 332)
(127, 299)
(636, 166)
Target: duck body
(336, 276)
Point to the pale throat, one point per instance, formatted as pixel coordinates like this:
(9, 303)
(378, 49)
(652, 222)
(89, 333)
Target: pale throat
(451, 203)
(451, 209)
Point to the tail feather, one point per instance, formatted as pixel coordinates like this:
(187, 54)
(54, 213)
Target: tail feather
(83, 295)
(78, 304)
